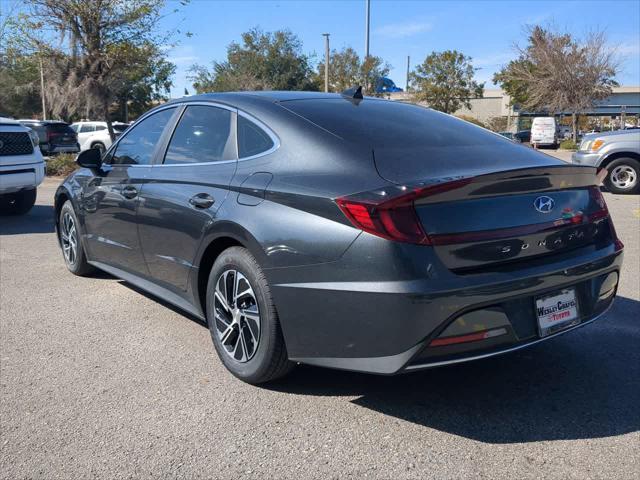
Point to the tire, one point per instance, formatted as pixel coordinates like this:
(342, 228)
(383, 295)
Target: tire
(238, 352)
(99, 146)
(19, 203)
(623, 176)
(70, 242)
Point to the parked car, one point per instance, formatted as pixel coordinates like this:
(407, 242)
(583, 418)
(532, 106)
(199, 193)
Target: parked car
(21, 167)
(523, 136)
(618, 152)
(55, 136)
(96, 134)
(386, 85)
(508, 135)
(544, 132)
(341, 231)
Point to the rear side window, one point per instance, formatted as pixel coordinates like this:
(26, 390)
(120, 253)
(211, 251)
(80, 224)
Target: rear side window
(136, 147)
(203, 135)
(252, 140)
(60, 128)
(101, 127)
(87, 128)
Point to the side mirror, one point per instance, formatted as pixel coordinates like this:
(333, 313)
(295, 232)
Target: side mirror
(91, 158)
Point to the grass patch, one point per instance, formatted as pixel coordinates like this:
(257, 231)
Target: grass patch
(568, 145)
(61, 165)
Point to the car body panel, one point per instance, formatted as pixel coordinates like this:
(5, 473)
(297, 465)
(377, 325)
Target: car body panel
(23, 171)
(622, 142)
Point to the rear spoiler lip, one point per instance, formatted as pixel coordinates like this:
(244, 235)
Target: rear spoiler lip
(514, 182)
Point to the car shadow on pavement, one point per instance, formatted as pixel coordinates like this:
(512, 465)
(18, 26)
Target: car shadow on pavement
(585, 384)
(38, 220)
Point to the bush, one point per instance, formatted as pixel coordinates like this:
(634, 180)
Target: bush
(61, 165)
(568, 145)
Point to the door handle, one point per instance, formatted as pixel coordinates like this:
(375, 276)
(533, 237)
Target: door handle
(129, 192)
(201, 200)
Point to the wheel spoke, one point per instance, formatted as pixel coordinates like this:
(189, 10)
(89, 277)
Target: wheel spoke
(237, 329)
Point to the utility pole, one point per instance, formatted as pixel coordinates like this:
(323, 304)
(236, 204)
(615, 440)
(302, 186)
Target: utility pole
(326, 61)
(44, 105)
(366, 31)
(408, 67)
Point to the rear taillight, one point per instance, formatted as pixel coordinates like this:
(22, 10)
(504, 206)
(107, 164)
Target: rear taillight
(603, 212)
(390, 213)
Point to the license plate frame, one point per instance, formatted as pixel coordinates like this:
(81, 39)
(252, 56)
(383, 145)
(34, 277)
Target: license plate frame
(557, 311)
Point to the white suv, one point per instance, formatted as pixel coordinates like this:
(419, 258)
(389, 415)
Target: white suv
(96, 135)
(21, 167)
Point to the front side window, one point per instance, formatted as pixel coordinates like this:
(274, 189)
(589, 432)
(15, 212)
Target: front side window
(252, 140)
(203, 135)
(136, 147)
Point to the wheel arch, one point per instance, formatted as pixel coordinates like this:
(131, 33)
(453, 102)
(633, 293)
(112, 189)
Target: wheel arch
(217, 241)
(61, 196)
(616, 155)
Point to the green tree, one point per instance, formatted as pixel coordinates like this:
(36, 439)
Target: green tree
(103, 38)
(263, 61)
(347, 69)
(19, 84)
(514, 86)
(445, 81)
(148, 81)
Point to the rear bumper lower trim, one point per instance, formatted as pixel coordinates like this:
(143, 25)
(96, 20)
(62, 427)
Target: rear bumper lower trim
(424, 366)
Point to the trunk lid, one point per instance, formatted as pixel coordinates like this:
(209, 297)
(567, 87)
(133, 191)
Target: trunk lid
(515, 215)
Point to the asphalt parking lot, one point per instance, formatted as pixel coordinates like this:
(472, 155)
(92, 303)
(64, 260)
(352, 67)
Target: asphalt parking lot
(100, 380)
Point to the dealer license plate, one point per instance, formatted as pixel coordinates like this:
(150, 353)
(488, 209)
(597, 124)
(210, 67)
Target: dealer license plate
(557, 311)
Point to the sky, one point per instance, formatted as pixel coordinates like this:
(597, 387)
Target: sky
(487, 31)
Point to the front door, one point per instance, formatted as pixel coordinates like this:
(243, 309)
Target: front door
(185, 190)
(110, 199)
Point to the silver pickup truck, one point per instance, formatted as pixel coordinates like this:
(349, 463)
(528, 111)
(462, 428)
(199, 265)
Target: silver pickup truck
(619, 153)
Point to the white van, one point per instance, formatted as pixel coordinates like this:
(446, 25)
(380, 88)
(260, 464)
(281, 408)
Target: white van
(544, 132)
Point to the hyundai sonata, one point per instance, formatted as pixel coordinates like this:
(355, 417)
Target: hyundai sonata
(341, 231)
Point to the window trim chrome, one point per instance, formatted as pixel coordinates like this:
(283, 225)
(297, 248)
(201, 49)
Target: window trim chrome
(183, 105)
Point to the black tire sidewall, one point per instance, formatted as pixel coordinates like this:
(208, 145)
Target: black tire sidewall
(80, 264)
(616, 163)
(237, 258)
(18, 203)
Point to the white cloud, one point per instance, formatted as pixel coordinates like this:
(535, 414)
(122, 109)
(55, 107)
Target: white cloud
(493, 59)
(401, 30)
(182, 55)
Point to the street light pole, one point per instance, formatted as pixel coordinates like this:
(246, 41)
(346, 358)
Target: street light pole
(366, 31)
(326, 61)
(408, 67)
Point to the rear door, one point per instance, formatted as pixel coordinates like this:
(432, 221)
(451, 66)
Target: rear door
(185, 190)
(110, 200)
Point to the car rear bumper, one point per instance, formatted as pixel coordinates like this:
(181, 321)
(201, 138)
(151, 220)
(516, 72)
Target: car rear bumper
(385, 327)
(60, 148)
(24, 176)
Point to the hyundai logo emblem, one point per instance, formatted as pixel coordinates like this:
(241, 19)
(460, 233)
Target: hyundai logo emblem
(544, 204)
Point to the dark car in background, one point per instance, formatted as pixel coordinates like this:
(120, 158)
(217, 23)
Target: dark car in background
(55, 136)
(522, 136)
(341, 231)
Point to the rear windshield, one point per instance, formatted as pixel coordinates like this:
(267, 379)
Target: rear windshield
(381, 123)
(60, 127)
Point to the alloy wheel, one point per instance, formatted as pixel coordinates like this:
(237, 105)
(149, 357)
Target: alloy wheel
(237, 316)
(624, 177)
(69, 237)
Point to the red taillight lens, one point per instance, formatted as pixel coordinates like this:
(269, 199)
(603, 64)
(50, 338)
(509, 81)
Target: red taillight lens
(391, 214)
